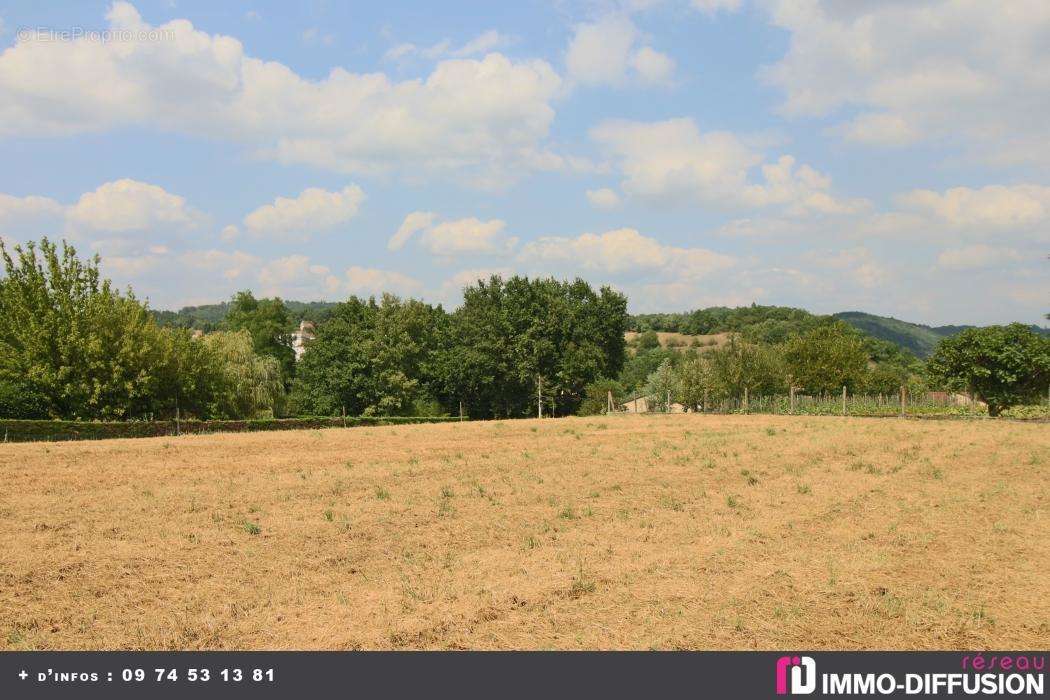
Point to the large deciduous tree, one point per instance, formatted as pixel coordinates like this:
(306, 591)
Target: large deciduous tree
(1003, 365)
(370, 358)
(827, 358)
(79, 349)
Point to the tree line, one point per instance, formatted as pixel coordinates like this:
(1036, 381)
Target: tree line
(74, 347)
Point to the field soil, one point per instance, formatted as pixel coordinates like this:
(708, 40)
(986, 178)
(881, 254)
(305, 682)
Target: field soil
(620, 532)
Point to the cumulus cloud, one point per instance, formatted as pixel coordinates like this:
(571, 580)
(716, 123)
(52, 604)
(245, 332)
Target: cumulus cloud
(991, 207)
(313, 210)
(124, 217)
(674, 161)
(968, 73)
(605, 53)
(129, 205)
(469, 236)
(490, 115)
(32, 215)
(623, 251)
(603, 198)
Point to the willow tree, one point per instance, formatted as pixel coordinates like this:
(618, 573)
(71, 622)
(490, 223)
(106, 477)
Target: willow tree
(245, 384)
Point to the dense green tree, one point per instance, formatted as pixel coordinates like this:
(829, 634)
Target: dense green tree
(511, 337)
(77, 348)
(371, 359)
(740, 364)
(827, 358)
(268, 323)
(1004, 365)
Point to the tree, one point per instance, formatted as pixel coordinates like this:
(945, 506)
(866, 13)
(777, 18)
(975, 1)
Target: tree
(511, 338)
(1003, 365)
(827, 358)
(267, 321)
(73, 346)
(661, 387)
(695, 382)
(739, 364)
(244, 384)
(596, 397)
(371, 359)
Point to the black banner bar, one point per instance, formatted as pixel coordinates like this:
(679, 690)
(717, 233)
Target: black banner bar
(575, 675)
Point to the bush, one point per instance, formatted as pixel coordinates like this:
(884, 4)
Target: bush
(56, 430)
(1041, 412)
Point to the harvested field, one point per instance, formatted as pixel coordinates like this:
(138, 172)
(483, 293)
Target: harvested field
(625, 532)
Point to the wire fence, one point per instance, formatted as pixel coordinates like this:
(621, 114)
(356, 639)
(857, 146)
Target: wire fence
(934, 403)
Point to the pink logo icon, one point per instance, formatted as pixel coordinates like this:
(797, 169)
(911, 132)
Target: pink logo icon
(803, 672)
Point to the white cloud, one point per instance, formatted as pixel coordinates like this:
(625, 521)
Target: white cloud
(604, 53)
(362, 280)
(482, 44)
(451, 291)
(624, 251)
(295, 276)
(856, 265)
(879, 129)
(413, 224)
(30, 216)
(313, 210)
(994, 206)
(229, 233)
(236, 265)
(653, 66)
(129, 205)
(469, 236)
(977, 257)
(967, 73)
(488, 116)
(801, 190)
(603, 198)
(674, 161)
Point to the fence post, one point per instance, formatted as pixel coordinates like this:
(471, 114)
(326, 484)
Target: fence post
(745, 400)
(539, 396)
(791, 393)
(461, 410)
(903, 398)
(843, 400)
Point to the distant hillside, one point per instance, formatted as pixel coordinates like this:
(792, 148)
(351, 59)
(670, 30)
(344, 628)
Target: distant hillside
(919, 339)
(915, 337)
(209, 316)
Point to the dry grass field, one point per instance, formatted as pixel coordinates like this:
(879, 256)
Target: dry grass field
(624, 532)
(682, 341)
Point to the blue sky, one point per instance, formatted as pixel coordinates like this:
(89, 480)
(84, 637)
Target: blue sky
(885, 156)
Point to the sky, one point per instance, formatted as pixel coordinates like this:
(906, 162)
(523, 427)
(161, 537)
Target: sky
(890, 156)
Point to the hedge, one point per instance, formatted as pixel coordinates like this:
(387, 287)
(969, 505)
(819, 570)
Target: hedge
(52, 430)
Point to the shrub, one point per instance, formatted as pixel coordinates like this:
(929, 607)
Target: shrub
(54, 430)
